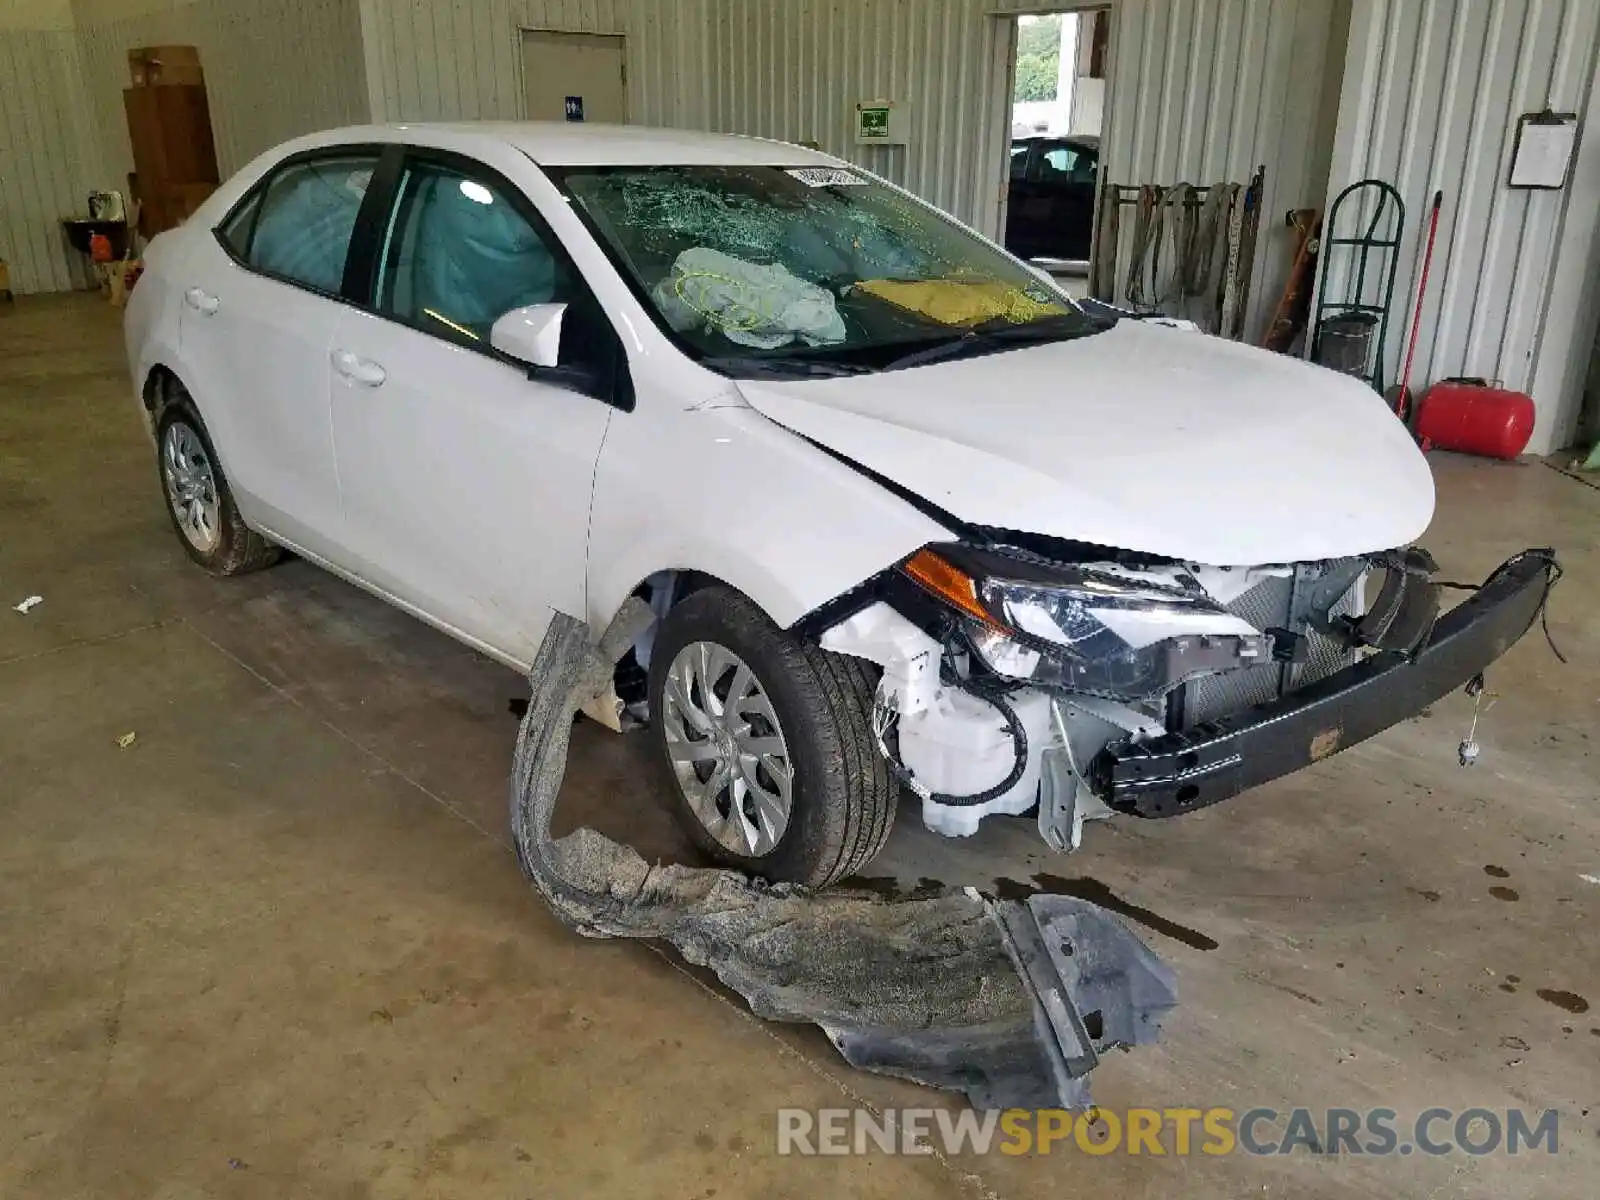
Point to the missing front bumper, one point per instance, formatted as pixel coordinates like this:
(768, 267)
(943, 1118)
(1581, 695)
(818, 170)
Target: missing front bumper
(1180, 772)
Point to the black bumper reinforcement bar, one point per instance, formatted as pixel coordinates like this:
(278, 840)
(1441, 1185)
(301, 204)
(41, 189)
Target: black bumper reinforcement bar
(1180, 772)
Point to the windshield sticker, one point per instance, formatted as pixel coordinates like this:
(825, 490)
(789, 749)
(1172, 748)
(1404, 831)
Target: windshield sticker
(825, 177)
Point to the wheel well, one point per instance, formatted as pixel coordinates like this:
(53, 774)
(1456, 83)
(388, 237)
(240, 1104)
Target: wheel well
(159, 387)
(662, 591)
(680, 583)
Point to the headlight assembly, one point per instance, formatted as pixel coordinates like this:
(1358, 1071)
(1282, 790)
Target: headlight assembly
(1088, 630)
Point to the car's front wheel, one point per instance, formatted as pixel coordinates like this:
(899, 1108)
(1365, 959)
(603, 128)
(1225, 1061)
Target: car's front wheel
(768, 743)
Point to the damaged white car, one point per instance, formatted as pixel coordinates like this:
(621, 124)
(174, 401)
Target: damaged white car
(905, 513)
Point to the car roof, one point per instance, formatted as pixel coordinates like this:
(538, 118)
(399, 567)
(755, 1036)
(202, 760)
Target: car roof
(581, 143)
(1087, 141)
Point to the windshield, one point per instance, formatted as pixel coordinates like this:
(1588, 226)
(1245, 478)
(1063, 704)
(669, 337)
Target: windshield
(762, 267)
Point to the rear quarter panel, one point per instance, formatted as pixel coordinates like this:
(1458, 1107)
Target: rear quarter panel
(150, 321)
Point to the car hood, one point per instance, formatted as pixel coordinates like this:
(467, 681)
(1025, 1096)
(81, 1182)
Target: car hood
(1143, 438)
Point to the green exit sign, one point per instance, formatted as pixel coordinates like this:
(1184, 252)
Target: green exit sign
(881, 122)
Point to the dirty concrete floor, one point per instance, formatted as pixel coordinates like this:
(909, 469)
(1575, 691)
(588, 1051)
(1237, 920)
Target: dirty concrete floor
(279, 946)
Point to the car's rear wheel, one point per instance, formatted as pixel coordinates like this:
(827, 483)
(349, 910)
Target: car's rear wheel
(767, 741)
(203, 512)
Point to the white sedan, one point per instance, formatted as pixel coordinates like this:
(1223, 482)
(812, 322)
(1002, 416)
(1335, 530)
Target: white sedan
(905, 513)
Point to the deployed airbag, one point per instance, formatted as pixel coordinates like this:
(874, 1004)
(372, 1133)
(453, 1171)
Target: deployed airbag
(748, 303)
(961, 301)
(304, 228)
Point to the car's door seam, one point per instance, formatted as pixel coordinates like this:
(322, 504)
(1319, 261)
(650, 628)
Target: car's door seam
(594, 489)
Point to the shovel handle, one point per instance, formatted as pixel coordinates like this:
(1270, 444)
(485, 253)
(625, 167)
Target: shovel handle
(1416, 313)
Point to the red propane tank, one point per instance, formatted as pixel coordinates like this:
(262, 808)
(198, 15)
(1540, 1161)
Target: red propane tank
(1467, 415)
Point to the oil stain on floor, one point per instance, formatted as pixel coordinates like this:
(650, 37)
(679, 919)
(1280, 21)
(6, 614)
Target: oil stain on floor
(1092, 890)
(1571, 1001)
(1081, 887)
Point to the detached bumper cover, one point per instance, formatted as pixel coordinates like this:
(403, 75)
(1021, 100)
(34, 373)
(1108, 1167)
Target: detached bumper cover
(1183, 771)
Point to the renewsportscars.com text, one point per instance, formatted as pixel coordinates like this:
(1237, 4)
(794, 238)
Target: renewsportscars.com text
(1375, 1132)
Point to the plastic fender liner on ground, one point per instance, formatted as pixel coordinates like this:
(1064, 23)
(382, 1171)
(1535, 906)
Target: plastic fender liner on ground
(1010, 1002)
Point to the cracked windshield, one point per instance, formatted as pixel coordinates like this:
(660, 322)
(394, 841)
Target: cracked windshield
(812, 270)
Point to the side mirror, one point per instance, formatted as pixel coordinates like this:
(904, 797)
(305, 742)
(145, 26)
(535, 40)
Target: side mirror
(531, 334)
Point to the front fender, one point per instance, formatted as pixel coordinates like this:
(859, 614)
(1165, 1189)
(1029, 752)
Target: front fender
(729, 493)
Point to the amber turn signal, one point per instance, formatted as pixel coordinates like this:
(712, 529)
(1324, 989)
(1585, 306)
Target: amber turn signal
(949, 582)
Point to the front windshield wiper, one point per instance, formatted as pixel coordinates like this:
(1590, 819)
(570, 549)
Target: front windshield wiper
(986, 338)
(813, 368)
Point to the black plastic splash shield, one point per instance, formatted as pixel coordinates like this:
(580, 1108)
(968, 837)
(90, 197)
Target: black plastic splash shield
(1012, 1003)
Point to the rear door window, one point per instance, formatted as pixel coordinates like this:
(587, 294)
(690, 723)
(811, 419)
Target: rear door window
(307, 215)
(1060, 160)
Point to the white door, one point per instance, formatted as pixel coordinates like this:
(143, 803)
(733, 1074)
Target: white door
(574, 76)
(257, 317)
(466, 485)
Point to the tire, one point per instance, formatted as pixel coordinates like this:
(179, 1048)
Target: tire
(224, 545)
(841, 794)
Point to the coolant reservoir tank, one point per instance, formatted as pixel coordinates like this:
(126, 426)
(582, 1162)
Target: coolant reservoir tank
(961, 746)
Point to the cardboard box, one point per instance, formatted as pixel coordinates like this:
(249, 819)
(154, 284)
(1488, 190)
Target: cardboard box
(171, 206)
(153, 65)
(186, 197)
(170, 130)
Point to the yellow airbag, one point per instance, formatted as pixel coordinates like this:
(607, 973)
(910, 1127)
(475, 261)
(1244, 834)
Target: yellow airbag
(961, 302)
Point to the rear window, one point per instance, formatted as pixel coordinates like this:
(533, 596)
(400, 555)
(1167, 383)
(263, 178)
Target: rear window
(236, 230)
(303, 220)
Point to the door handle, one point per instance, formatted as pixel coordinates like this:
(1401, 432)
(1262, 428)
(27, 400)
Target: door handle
(202, 301)
(360, 370)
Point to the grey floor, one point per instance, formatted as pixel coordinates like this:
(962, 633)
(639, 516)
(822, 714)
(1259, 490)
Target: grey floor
(278, 946)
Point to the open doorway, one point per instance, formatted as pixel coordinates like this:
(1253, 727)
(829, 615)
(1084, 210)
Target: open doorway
(1058, 106)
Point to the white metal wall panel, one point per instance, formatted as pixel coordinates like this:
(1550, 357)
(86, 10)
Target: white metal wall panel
(274, 69)
(1205, 91)
(794, 69)
(1567, 356)
(43, 151)
(1431, 100)
(777, 68)
(462, 61)
(1202, 90)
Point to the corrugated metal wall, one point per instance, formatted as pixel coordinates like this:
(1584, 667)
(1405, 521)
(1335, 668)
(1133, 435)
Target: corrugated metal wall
(1203, 90)
(462, 61)
(791, 69)
(1431, 99)
(43, 158)
(778, 68)
(274, 69)
(794, 69)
